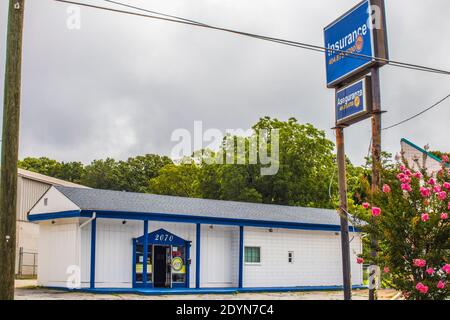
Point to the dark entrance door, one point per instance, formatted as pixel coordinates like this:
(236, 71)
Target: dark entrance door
(161, 267)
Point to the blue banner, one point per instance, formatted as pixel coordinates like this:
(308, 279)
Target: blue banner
(350, 34)
(351, 102)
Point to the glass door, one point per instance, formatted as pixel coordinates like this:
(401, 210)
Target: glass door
(139, 264)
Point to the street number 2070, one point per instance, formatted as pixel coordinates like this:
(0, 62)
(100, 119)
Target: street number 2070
(163, 237)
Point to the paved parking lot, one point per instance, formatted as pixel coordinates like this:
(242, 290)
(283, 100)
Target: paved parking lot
(27, 290)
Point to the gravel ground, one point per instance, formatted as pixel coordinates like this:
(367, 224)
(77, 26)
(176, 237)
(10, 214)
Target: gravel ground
(27, 290)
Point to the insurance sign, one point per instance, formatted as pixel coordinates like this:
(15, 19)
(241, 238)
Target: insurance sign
(354, 102)
(353, 41)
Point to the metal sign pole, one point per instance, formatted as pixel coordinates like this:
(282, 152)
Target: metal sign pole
(345, 243)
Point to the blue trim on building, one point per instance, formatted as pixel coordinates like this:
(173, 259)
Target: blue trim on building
(55, 215)
(133, 259)
(162, 237)
(146, 238)
(194, 219)
(188, 264)
(145, 244)
(181, 291)
(241, 256)
(197, 256)
(93, 245)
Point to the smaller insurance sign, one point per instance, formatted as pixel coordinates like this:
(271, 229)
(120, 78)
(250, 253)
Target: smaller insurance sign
(354, 102)
(353, 41)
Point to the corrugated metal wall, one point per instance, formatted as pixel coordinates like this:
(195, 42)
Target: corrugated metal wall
(29, 192)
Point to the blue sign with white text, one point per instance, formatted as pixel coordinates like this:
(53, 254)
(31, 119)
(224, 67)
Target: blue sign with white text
(350, 34)
(351, 102)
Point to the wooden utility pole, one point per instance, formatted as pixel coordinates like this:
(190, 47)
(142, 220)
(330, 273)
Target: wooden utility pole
(376, 154)
(10, 149)
(343, 209)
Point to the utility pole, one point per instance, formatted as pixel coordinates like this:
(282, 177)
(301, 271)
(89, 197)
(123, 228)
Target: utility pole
(10, 149)
(376, 155)
(343, 209)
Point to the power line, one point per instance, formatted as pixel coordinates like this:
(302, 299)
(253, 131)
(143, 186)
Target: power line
(284, 41)
(287, 42)
(418, 114)
(175, 19)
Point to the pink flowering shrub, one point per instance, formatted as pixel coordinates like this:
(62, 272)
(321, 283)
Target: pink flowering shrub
(409, 217)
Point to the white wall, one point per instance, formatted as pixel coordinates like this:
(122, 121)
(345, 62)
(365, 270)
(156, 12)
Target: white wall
(317, 255)
(113, 264)
(219, 257)
(317, 258)
(58, 249)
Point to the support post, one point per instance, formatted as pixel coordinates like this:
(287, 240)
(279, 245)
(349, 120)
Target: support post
(93, 245)
(10, 149)
(376, 152)
(197, 256)
(241, 255)
(345, 244)
(145, 257)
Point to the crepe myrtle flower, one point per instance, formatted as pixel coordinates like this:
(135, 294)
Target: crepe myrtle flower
(366, 205)
(444, 216)
(440, 285)
(446, 268)
(442, 195)
(432, 182)
(406, 187)
(425, 217)
(376, 211)
(420, 263)
(430, 271)
(425, 192)
(446, 185)
(417, 175)
(422, 288)
(359, 260)
(386, 188)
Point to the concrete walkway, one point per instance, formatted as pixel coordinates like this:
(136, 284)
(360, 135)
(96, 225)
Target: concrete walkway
(27, 290)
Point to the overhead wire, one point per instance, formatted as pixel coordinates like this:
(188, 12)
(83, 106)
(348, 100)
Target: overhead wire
(175, 19)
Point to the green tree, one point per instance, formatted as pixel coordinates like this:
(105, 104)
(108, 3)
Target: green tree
(43, 165)
(177, 180)
(103, 174)
(306, 165)
(137, 171)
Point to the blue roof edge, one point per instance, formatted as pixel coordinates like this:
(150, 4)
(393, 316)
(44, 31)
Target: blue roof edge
(185, 219)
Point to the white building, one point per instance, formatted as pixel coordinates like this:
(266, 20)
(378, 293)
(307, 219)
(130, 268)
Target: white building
(30, 188)
(188, 244)
(418, 158)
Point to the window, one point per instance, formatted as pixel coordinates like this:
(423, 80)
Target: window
(178, 264)
(252, 255)
(291, 256)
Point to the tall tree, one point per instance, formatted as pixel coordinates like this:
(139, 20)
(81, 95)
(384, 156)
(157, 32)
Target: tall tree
(177, 180)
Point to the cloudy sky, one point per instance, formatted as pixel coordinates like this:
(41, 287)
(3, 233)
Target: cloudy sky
(120, 85)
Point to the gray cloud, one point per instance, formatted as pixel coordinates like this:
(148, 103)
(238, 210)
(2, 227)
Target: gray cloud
(119, 86)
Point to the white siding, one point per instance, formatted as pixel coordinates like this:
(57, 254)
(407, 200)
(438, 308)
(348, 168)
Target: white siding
(29, 192)
(217, 257)
(58, 249)
(317, 258)
(411, 154)
(317, 255)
